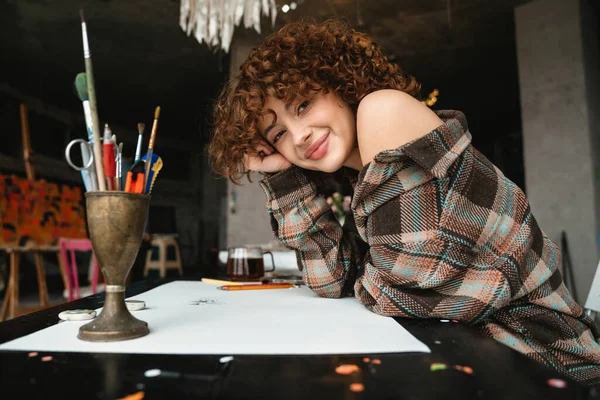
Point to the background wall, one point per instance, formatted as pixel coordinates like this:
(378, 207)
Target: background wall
(559, 72)
(245, 214)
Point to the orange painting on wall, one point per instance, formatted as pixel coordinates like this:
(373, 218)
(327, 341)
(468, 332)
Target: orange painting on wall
(39, 212)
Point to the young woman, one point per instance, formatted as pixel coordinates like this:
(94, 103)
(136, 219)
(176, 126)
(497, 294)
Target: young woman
(436, 230)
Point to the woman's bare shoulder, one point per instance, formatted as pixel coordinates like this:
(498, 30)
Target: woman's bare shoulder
(387, 119)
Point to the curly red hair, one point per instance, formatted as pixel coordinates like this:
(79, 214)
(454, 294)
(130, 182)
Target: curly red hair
(298, 60)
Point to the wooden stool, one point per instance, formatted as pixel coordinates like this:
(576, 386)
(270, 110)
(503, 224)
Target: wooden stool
(162, 243)
(10, 306)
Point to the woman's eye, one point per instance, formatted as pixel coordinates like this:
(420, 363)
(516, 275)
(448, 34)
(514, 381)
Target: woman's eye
(278, 136)
(302, 106)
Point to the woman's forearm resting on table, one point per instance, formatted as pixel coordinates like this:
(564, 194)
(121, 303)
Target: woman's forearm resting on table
(302, 220)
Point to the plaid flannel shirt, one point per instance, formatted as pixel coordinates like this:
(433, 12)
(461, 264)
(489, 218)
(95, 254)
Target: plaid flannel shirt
(437, 231)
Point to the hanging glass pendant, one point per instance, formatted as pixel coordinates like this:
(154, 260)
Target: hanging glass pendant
(213, 21)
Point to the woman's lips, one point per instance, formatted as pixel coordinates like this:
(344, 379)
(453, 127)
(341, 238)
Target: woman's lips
(318, 149)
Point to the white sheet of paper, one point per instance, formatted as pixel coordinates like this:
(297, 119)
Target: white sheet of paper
(281, 321)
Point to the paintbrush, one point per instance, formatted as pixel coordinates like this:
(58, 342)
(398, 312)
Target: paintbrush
(119, 165)
(115, 148)
(93, 105)
(89, 175)
(138, 149)
(117, 181)
(151, 146)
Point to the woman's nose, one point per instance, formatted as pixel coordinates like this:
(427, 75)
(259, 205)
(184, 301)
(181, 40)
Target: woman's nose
(301, 135)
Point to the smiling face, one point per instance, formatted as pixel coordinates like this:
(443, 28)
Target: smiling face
(317, 133)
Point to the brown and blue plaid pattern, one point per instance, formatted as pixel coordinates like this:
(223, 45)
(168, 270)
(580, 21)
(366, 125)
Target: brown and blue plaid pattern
(437, 231)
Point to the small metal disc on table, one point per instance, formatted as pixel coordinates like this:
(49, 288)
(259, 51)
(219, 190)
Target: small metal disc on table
(77, 315)
(135, 305)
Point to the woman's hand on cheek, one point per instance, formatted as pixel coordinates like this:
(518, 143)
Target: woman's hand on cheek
(265, 160)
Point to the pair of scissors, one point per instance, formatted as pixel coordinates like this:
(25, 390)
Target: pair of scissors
(88, 169)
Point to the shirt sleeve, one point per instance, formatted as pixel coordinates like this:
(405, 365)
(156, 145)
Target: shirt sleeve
(415, 266)
(429, 279)
(329, 255)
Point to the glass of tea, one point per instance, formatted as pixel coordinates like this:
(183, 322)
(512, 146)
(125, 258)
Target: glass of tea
(247, 264)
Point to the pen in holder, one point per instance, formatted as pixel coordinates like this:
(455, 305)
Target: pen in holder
(116, 223)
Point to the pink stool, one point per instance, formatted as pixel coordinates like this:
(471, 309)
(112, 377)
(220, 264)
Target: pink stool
(70, 266)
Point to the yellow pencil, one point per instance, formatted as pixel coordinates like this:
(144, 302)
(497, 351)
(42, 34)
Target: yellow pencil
(257, 286)
(220, 282)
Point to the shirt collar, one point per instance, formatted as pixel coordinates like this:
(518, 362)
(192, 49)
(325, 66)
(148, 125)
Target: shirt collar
(438, 149)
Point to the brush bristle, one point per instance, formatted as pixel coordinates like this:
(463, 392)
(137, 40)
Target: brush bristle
(157, 112)
(141, 127)
(81, 86)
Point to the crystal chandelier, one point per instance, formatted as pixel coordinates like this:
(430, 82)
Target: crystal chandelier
(213, 21)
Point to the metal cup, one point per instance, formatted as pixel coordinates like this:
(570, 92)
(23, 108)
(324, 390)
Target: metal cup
(116, 222)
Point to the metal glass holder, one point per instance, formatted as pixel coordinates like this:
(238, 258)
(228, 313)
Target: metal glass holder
(116, 222)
